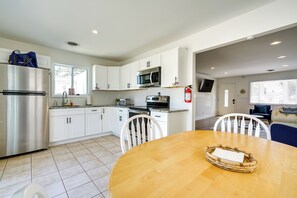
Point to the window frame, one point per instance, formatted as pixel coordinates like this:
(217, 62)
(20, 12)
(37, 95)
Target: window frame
(267, 103)
(72, 81)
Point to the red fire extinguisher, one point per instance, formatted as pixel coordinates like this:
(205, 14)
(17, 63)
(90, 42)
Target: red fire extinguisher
(188, 94)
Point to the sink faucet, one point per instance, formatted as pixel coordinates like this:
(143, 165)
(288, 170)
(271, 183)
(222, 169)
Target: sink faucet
(64, 95)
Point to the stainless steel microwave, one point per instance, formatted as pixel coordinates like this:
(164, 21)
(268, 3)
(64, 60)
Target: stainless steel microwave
(149, 77)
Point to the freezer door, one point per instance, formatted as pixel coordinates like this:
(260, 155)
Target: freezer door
(14, 77)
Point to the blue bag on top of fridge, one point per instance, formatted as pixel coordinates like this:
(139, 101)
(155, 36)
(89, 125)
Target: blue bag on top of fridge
(28, 59)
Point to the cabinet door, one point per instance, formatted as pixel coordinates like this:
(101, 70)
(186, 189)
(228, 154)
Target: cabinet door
(121, 119)
(106, 126)
(99, 77)
(125, 77)
(76, 126)
(169, 70)
(164, 129)
(113, 77)
(134, 68)
(150, 62)
(93, 123)
(58, 128)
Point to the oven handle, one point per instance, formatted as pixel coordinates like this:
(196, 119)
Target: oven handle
(139, 112)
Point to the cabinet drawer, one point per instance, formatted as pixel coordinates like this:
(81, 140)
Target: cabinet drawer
(160, 116)
(94, 110)
(122, 110)
(67, 112)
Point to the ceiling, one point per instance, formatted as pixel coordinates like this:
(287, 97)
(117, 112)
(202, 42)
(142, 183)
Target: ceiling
(126, 28)
(251, 56)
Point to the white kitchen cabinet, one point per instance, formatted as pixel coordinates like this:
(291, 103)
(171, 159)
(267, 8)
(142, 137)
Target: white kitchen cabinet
(99, 77)
(105, 78)
(122, 116)
(76, 126)
(113, 78)
(174, 67)
(171, 123)
(66, 124)
(150, 62)
(93, 121)
(58, 128)
(128, 76)
(106, 119)
(125, 77)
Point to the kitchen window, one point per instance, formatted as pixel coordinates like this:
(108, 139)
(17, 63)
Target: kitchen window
(72, 79)
(274, 92)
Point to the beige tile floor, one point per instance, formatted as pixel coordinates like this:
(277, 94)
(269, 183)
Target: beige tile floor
(79, 169)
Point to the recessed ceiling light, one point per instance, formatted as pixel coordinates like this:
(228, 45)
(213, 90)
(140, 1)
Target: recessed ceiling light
(72, 44)
(281, 57)
(275, 43)
(250, 37)
(226, 73)
(285, 65)
(270, 70)
(95, 31)
(212, 68)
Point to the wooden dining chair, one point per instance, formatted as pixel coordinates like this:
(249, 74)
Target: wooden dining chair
(239, 122)
(138, 130)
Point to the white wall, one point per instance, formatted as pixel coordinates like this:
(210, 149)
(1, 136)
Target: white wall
(243, 82)
(205, 102)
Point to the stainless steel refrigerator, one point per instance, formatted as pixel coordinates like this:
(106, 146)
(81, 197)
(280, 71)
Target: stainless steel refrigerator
(23, 109)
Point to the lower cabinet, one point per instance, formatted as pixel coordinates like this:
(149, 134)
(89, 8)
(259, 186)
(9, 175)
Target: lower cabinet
(93, 121)
(78, 122)
(171, 123)
(122, 116)
(66, 124)
(107, 119)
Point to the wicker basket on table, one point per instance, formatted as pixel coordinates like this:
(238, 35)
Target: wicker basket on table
(249, 163)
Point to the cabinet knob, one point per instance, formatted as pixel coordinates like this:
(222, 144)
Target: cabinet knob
(67, 120)
(101, 117)
(108, 86)
(148, 63)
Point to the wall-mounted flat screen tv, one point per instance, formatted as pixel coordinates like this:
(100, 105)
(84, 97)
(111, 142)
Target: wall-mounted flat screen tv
(206, 85)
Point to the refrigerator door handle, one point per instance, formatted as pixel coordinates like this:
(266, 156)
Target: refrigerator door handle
(23, 92)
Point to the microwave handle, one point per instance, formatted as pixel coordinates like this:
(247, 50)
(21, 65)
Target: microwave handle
(151, 77)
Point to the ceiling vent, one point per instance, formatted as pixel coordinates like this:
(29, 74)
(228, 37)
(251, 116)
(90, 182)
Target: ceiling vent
(72, 44)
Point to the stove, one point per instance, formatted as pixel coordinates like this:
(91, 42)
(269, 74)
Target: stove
(152, 102)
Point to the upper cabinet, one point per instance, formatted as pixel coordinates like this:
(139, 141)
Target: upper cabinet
(128, 76)
(113, 78)
(150, 62)
(105, 78)
(173, 70)
(99, 77)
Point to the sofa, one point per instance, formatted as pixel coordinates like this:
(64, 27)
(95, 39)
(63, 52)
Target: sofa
(284, 125)
(284, 133)
(262, 110)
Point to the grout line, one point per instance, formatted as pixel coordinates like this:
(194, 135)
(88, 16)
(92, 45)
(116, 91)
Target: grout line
(59, 173)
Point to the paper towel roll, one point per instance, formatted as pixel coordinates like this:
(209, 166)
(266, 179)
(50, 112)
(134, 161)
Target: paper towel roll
(89, 100)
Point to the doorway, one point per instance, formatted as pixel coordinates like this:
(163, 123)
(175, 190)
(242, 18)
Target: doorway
(226, 98)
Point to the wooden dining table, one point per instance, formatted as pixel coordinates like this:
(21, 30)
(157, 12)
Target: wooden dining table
(175, 166)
